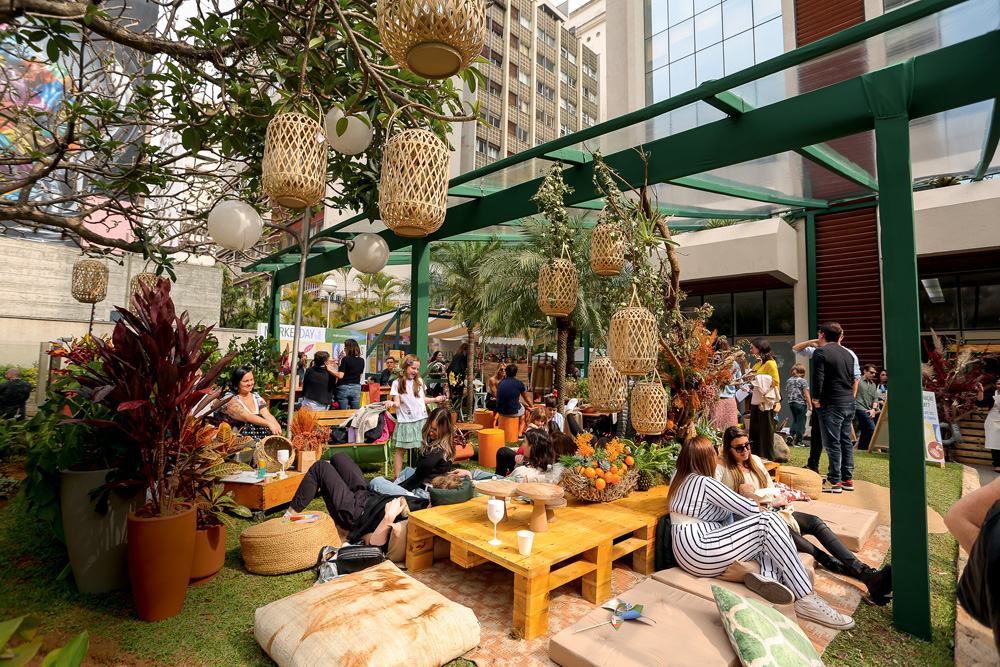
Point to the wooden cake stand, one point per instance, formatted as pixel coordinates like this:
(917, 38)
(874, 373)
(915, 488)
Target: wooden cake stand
(497, 488)
(540, 494)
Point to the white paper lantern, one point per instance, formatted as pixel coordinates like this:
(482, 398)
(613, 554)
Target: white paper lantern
(235, 225)
(355, 139)
(370, 253)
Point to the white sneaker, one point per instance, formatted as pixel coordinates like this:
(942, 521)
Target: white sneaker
(814, 608)
(769, 589)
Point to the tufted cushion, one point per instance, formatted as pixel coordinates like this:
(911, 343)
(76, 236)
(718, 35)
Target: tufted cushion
(851, 524)
(762, 636)
(280, 546)
(702, 586)
(802, 479)
(452, 496)
(686, 622)
(379, 617)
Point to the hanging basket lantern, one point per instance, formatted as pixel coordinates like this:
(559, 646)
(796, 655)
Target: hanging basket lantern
(90, 281)
(608, 387)
(632, 339)
(434, 40)
(607, 253)
(293, 171)
(649, 407)
(148, 279)
(558, 286)
(413, 189)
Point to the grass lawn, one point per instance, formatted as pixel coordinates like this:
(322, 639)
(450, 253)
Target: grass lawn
(216, 625)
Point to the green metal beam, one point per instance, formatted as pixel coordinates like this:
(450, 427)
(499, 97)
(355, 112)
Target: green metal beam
(569, 155)
(708, 183)
(811, 273)
(378, 339)
(469, 191)
(990, 143)
(732, 104)
(687, 212)
(420, 303)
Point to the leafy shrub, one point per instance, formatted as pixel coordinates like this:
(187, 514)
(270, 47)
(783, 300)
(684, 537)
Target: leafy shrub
(263, 356)
(28, 373)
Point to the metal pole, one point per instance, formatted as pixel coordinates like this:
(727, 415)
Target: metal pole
(327, 310)
(303, 259)
(93, 308)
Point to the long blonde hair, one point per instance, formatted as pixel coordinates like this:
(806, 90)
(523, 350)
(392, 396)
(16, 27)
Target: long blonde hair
(733, 468)
(445, 441)
(418, 382)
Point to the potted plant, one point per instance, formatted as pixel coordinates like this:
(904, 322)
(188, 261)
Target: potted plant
(149, 376)
(308, 439)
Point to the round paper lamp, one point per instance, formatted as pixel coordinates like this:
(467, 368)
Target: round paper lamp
(369, 254)
(235, 225)
(355, 139)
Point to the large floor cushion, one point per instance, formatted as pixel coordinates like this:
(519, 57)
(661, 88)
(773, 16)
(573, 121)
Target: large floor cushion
(688, 633)
(280, 546)
(379, 617)
(802, 479)
(851, 524)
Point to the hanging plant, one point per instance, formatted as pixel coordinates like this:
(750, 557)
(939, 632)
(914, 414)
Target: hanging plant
(607, 249)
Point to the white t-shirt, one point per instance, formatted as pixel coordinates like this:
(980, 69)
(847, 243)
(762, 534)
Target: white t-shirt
(559, 419)
(411, 408)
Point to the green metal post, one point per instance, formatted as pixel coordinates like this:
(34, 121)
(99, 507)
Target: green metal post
(399, 318)
(811, 272)
(274, 318)
(420, 302)
(889, 92)
(586, 353)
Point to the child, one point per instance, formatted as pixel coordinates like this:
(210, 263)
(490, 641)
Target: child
(797, 392)
(539, 418)
(407, 396)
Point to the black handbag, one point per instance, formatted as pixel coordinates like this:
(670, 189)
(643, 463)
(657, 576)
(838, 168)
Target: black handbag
(349, 558)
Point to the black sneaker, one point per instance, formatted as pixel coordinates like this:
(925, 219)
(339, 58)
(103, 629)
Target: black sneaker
(832, 488)
(848, 485)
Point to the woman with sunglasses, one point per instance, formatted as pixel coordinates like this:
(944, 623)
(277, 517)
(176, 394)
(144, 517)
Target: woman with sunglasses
(711, 527)
(744, 473)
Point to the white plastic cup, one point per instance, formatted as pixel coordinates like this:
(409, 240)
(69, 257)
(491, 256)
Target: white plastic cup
(524, 539)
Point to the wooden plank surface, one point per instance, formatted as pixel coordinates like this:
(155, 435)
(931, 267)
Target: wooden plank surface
(261, 496)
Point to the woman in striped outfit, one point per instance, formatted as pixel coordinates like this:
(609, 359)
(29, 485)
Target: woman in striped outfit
(712, 527)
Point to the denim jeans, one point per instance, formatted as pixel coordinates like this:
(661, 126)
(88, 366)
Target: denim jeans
(867, 427)
(349, 396)
(798, 429)
(837, 420)
(385, 487)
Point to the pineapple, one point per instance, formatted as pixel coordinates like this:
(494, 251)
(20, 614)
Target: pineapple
(649, 457)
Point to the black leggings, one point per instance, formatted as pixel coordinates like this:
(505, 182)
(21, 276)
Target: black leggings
(810, 524)
(505, 461)
(342, 485)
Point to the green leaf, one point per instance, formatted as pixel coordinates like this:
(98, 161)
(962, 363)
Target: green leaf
(22, 655)
(341, 126)
(316, 41)
(70, 655)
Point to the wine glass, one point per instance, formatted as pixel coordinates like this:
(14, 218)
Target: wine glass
(283, 455)
(494, 510)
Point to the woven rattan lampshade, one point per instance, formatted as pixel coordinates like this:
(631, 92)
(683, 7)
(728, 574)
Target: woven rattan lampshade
(608, 387)
(607, 253)
(413, 190)
(649, 407)
(558, 287)
(90, 281)
(293, 171)
(436, 39)
(632, 339)
(144, 278)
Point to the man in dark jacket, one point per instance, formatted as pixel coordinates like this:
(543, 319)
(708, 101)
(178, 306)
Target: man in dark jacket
(13, 395)
(833, 391)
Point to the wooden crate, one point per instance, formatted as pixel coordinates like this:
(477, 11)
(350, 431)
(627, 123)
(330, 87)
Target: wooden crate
(973, 450)
(262, 496)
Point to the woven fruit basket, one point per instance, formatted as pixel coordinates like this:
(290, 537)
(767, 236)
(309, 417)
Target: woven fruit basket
(584, 487)
(267, 451)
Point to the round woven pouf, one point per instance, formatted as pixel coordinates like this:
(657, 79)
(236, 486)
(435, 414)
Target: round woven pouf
(803, 480)
(284, 545)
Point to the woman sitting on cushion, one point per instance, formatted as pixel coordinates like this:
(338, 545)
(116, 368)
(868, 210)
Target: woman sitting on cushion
(712, 527)
(508, 458)
(538, 456)
(244, 408)
(744, 473)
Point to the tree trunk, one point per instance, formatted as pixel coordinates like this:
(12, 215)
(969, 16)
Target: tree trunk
(570, 362)
(559, 381)
(469, 400)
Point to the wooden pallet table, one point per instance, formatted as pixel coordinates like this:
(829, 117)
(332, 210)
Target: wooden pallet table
(580, 545)
(263, 496)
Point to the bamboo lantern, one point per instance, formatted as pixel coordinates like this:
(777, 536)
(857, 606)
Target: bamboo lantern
(144, 278)
(632, 339)
(607, 253)
(608, 387)
(90, 281)
(293, 171)
(413, 189)
(649, 407)
(558, 287)
(434, 40)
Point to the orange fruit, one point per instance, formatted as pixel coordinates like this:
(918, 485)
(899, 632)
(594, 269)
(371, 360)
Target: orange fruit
(629, 461)
(589, 472)
(593, 464)
(599, 484)
(670, 424)
(614, 469)
(600, 473)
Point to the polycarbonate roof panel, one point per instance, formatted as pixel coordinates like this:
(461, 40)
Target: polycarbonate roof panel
(950, 142)
(668, 195)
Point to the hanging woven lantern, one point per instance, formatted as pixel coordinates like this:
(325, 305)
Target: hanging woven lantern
(434, 40)
(632, 339)
(649, 407)
(90, 281)
(608, 387)
(293, 171)
(558, 286)
(413, 189)
(148, 279)
(607, 253)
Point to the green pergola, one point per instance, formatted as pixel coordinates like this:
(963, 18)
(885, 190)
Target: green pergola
(914, 90)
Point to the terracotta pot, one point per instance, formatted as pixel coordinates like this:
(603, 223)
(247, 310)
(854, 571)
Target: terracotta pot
(304, 459)
(160, 552)
(209, 554)
(95, 542)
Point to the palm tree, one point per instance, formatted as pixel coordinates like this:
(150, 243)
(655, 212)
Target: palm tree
(313, 311)
(243, 306)
(459, 286)
(345, 276)
(385, 288)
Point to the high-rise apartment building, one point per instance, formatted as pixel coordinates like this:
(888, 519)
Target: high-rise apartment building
(541, 83)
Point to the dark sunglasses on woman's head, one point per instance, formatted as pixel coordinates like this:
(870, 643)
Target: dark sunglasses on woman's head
(740, 448)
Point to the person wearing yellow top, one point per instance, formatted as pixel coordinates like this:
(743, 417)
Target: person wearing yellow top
(761, 420)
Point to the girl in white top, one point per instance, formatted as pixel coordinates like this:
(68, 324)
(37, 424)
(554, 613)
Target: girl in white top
(407, 396)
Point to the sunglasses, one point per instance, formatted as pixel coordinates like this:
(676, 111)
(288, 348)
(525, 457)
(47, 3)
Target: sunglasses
(740, 448)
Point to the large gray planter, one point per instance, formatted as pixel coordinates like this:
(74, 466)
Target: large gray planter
(96, 543)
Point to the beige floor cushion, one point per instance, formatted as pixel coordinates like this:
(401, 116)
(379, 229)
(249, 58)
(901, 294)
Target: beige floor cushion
(379, 617)
(701, 587)
(852, 525)
(688, 633)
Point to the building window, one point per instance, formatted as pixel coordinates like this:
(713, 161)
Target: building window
(546, 91)
(522, 134)
(496, 58)
(524, 50)
(589, 71)
(568, 55)
(568, 79)
(495, 25)
(546, 38)
(490, 118)
(546, 63)
(567, 106)
(494, 87)
(512, 99)
(589, 96)
(522, 77)
(525, 21)
(523, 106)
(514, 42)
(588, 119)
(543, 118)
(960, 302)
(493, 152)
(481, 146)
(564, 130)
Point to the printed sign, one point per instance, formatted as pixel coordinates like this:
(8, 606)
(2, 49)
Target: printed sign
(933, 449)
(315, 339)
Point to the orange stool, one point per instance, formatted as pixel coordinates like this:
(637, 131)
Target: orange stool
(490, 442)
(486, 418)
(511, 427)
